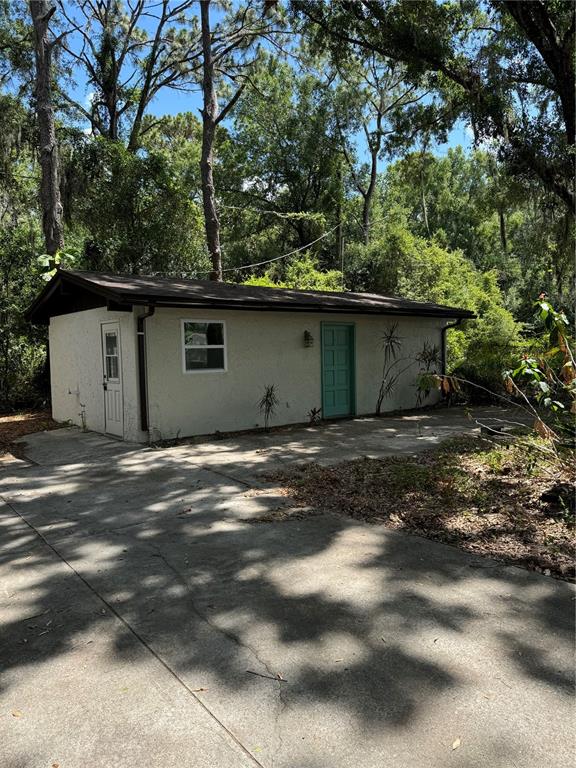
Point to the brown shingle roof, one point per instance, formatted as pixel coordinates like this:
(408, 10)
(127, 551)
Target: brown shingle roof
(179, 292)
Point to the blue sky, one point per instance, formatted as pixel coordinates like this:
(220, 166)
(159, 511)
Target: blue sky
(170, 102)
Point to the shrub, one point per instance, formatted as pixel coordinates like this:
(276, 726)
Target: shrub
(402, 264)
(546, 374)
(302, 274)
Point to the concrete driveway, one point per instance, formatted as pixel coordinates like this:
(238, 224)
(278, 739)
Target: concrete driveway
(147, 622)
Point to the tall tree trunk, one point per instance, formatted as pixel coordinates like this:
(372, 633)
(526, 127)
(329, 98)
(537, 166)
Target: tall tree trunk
(134, 141)
(423, 197)
(503, 236)
(41, 12)
(365, 218)
(425, 210)
(368, 195)
(209, 122)
(339, 222)
(374, 145)
(565, 256)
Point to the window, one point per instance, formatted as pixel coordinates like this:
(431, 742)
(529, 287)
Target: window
(204, 345)
(111, 354)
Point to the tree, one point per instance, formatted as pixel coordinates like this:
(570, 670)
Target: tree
(227, 52)
(472, 204)
(210, 119)
(550, 28)
(135, 212)
(41, 12)
(16, 46)
(508, 67)
(400, 263)
(372, 98)
(282, 163)
(22, 351)
(129, 51)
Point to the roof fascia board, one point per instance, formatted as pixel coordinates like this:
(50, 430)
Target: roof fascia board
(277, 307)
(118, 296)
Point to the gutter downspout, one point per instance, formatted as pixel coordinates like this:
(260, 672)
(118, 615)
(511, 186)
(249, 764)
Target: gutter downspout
(443, 343)
(142, 370)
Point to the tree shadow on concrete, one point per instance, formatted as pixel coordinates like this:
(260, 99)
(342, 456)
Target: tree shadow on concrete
(365, 626)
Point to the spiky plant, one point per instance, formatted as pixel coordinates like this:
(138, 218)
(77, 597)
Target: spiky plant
(267, 404)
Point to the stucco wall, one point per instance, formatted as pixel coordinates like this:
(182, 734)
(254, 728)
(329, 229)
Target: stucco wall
(76, 369)
(267, 348)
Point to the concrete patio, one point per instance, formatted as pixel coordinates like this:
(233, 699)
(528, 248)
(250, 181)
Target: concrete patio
(148, 622)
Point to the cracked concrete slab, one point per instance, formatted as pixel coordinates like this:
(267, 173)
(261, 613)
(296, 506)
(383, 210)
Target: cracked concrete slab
(93, 694)
(147, 622)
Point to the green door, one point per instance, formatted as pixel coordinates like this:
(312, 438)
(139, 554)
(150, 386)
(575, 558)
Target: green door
(337, 370)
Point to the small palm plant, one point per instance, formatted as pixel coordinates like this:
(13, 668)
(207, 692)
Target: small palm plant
(268, 403)
(391, 345)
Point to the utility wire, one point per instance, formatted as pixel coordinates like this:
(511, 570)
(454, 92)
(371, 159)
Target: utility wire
(276, 258)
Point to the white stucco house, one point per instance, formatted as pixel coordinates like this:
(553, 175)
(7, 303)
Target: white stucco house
(151, 358)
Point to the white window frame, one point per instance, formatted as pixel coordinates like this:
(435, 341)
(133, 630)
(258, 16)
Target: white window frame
(223, 346)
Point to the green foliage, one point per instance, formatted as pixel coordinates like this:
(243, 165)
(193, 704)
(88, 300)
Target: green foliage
(49, 264)
(22, 349)
(403, 264)
(483, 62)
(476, 229)
(268, 403)
(16, 51)
(547, 373)
(302, 274)
(135, 211)
(127, 53)
(279, 170)
(177, 138)
(466, 202)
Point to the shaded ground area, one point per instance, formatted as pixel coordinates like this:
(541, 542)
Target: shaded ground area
(146, 621)
(15, 426)
(489, 498)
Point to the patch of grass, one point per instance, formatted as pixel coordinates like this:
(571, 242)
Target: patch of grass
(494, 459)
(472, 492)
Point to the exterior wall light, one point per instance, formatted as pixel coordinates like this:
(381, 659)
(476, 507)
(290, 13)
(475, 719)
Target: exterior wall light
(308, 339)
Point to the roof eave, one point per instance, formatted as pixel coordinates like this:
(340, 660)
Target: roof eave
(57, 280)
(128, 299)
(293, 307)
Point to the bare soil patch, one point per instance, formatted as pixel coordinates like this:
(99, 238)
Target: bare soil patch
(480, 496)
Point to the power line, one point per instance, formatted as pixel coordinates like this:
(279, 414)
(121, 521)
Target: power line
(276, 258)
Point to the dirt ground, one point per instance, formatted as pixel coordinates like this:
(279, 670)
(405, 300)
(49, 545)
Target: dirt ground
(14, 426)
(488, 499)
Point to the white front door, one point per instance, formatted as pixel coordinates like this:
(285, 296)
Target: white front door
(112, 380)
